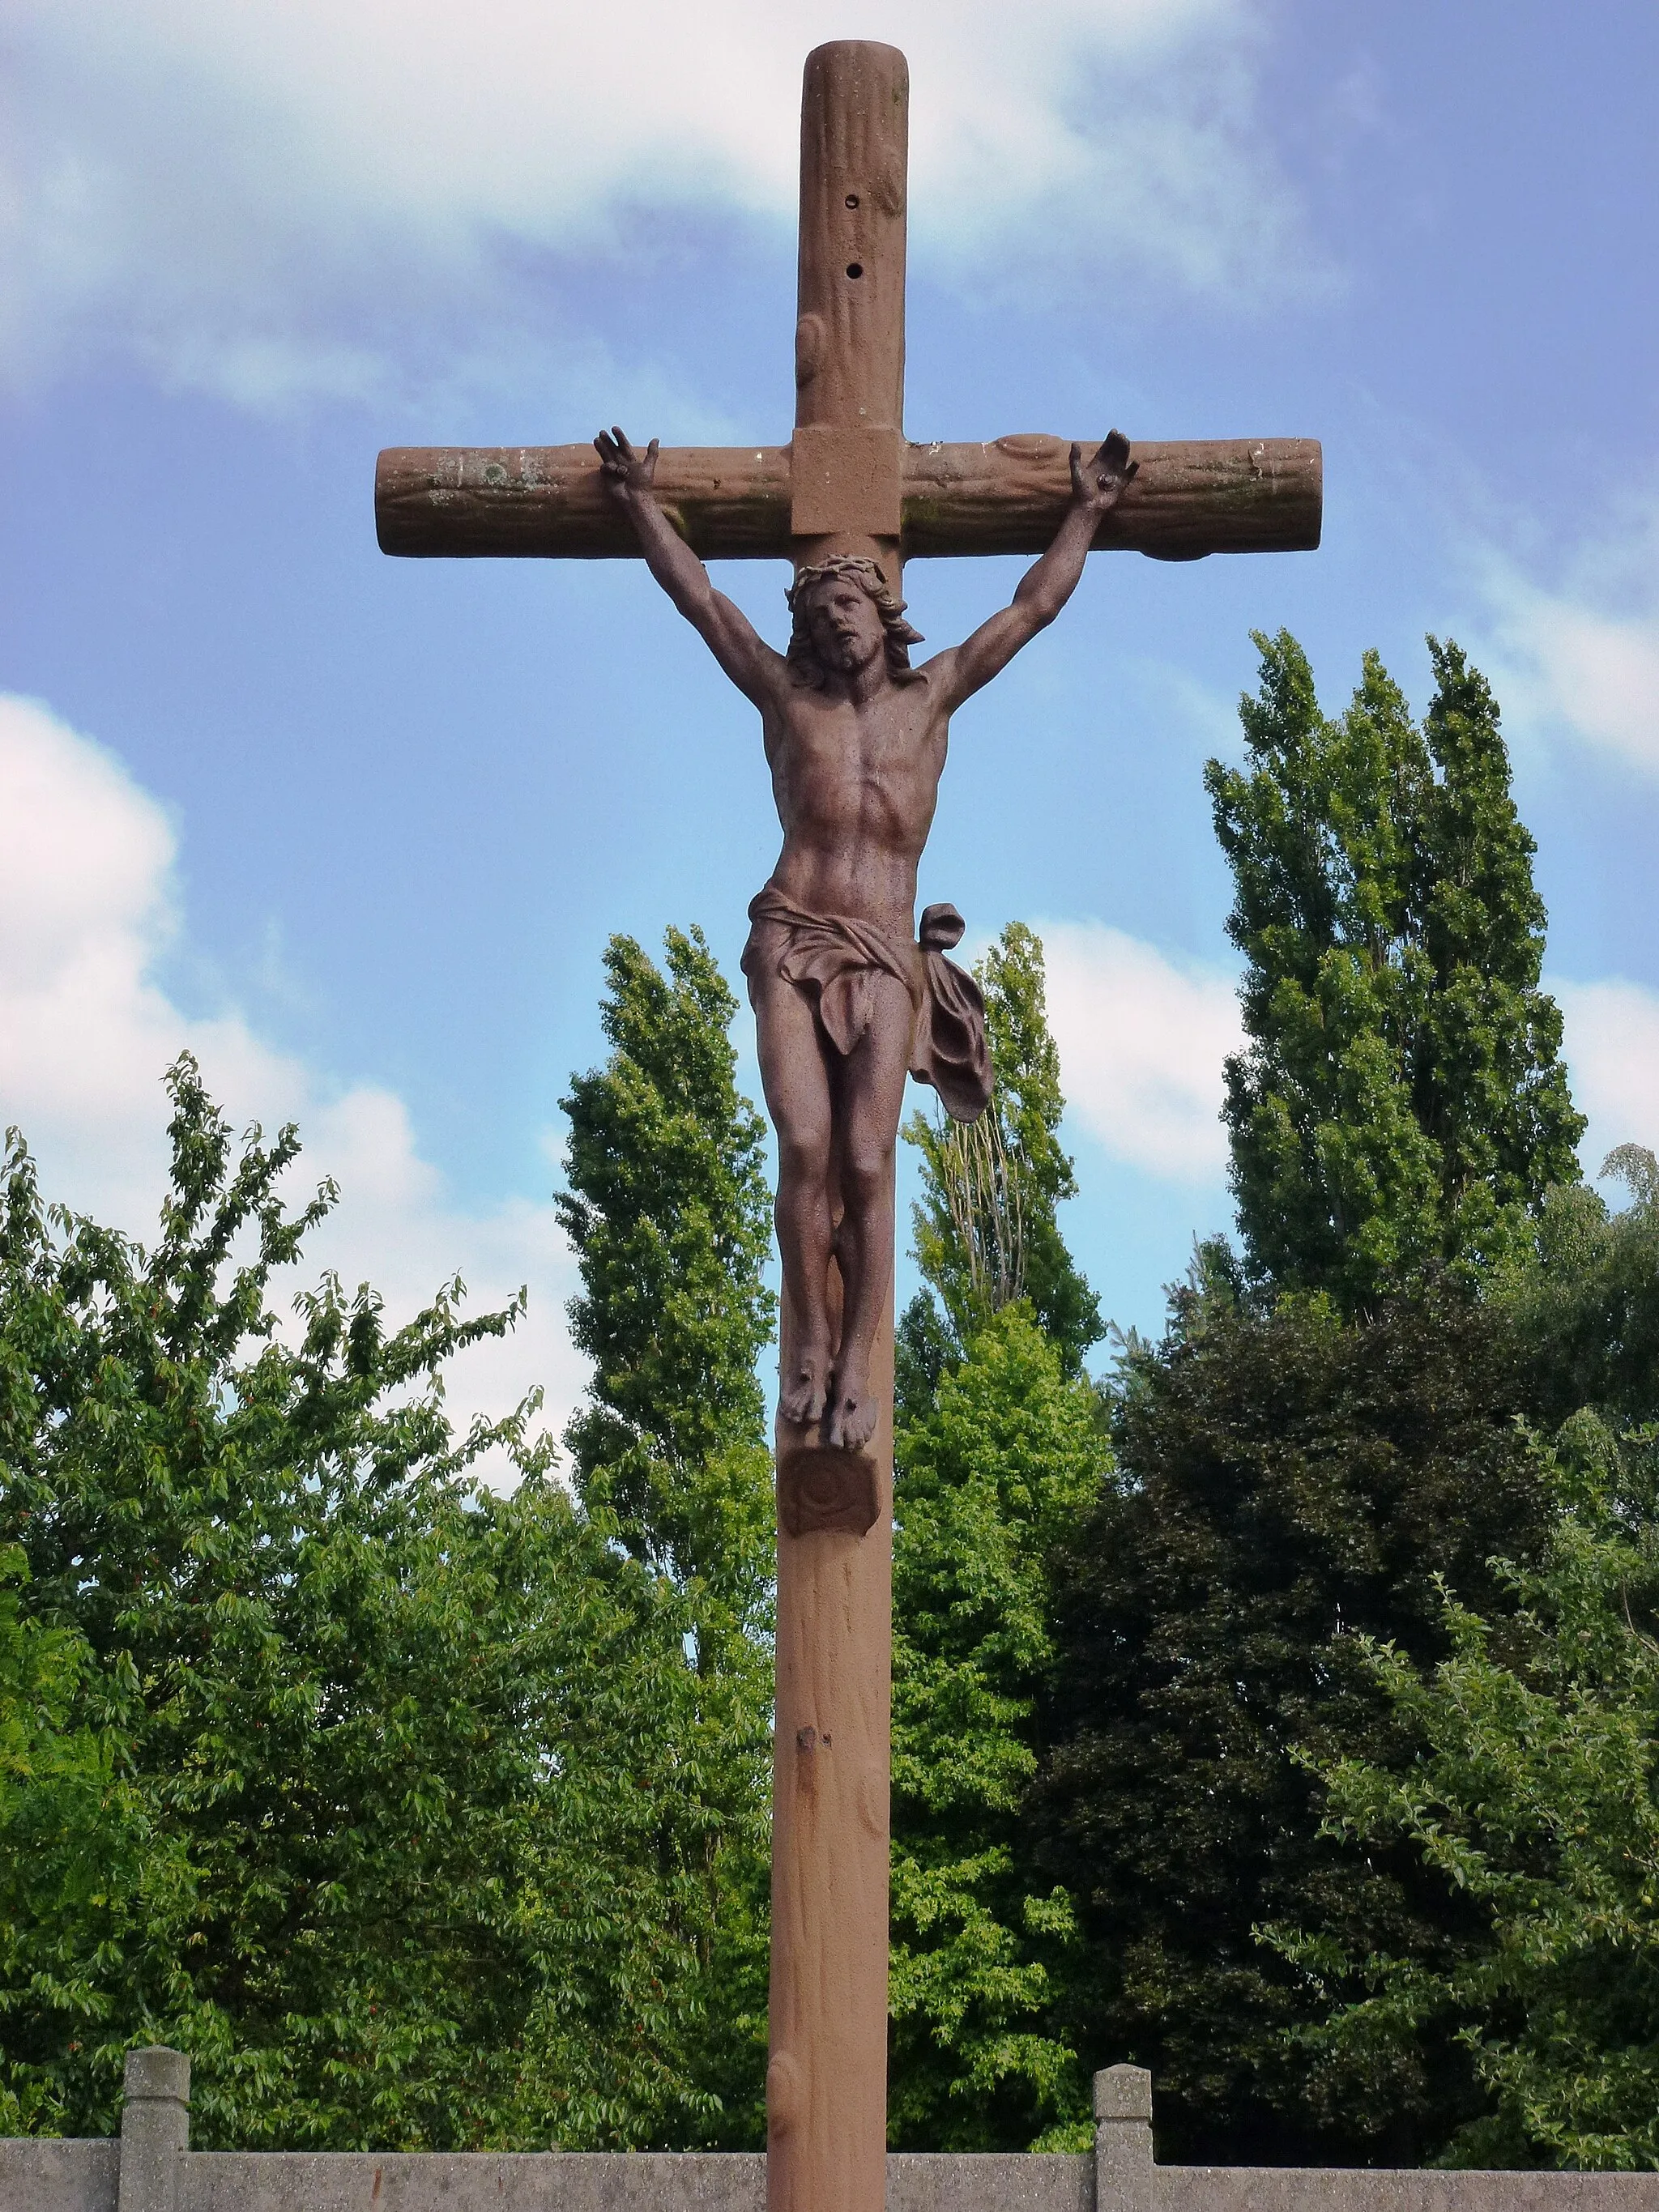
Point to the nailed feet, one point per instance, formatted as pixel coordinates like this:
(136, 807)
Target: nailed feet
(803, 1397)
(852, 1417)
(842, 1402)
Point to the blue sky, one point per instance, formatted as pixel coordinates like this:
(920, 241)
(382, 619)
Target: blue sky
(357, 829)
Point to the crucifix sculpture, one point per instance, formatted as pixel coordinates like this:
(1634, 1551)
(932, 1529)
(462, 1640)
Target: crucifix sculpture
(846, 997)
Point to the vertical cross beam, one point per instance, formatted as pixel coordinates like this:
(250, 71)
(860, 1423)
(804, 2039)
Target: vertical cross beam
(826, 2084)
(842, 487)
(846, 457)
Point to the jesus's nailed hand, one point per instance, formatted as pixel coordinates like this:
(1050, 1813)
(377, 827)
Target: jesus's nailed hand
(1100, 484)
(627, 472)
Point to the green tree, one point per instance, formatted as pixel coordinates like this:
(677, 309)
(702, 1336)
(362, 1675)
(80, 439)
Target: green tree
(404, 1785)
(82, 1867)
(1401, 1104)
(1331, 1423)
(987, 1226)
(999, 1438)
(1011, 1452)
(1537, 1796)
(1534, 1791)
(1285, 1479)
(1586, 1298)
(669, 1215)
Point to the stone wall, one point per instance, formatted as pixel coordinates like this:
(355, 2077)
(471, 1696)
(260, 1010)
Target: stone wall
(152, 2169)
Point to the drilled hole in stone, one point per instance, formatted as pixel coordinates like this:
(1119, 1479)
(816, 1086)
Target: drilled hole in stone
(852, 199)
(855, 268)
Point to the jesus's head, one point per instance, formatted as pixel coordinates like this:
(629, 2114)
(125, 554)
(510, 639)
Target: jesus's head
(845, 612)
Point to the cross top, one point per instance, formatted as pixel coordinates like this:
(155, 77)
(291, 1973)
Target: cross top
(848, 481)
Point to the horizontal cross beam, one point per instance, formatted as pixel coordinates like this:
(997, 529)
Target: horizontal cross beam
(737, 503)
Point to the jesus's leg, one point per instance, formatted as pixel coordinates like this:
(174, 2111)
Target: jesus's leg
(797, 1087)
(870, 1100)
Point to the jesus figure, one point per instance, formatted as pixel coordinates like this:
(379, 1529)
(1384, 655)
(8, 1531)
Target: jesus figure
(847, 1000)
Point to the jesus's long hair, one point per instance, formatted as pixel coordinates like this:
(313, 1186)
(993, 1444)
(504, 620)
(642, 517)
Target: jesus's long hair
(802, 655)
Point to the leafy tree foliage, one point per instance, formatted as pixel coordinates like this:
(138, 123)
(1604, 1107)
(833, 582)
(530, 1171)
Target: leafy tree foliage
(988, 1228)
(1286, 1479)
(1402, 1103)
(1534, 1791)
(1586, 1298)
(391, 1800)
(669, 1215)
(1012, 1451)
(1538, 1798)
(80, 1862)
(1000, 1441)
(1331, 1425)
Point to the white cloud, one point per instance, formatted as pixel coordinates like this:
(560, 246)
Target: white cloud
(1611, 1043)
(1141, 1039)
(256, 199)
(1583, 657)
(87, 906)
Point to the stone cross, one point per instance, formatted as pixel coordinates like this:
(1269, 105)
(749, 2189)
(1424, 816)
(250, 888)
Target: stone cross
(849, 485)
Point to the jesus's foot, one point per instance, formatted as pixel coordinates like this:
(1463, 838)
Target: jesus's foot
(852, 1421)
(802, 1398)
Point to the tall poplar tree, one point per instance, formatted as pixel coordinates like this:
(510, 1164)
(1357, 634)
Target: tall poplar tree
(1329, 1423)
(1402, 1103)
(668, 1211)
(669, 1215)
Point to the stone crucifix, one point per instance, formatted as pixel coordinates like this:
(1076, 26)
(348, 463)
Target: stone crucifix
(847, 997)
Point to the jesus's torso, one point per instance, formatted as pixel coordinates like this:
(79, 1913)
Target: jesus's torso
(855, 786)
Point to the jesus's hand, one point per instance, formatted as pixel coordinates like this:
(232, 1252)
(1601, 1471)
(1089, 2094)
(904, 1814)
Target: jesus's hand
(1098, 485)
(629, 475)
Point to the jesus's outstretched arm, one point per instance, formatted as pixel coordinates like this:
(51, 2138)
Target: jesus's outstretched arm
(725, 629)
(1097, 487)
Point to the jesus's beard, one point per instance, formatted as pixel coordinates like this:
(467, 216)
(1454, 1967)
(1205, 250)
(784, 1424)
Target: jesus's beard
(848, 655)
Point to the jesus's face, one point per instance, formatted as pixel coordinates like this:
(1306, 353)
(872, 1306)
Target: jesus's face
(845, 627)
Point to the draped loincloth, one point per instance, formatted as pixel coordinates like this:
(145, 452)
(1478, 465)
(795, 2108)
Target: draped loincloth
(835, 959)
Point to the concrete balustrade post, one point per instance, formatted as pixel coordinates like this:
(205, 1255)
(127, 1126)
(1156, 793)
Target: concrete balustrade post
(154, 2129)
(1123, 2140)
